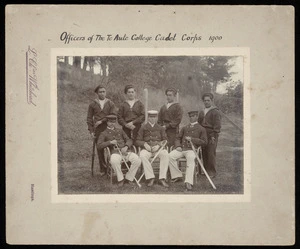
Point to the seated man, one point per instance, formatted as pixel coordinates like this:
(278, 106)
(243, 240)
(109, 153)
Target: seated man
(113, 138)
(194, 133)
(150, 138)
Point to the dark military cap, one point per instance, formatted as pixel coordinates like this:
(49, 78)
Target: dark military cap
(98, 87)
(171, 89)
(193, 113)
(127, 88)
(210, 95)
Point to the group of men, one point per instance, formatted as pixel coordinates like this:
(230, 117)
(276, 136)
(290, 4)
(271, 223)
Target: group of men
(154, 138)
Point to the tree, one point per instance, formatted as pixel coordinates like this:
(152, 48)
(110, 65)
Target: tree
(66, 60)
(235, 89)
(217, 69)
(77, 61)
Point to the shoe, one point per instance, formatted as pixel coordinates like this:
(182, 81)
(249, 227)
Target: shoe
(177, 179)
(188, 186)
(130, 182)
(151, 182)
(121, 183)
(163, 182)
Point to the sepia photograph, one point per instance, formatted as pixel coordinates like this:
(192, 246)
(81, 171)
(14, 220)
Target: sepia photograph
(150, 125)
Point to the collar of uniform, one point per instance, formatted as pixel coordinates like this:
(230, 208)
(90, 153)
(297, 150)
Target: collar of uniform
(192, 124)
(206, 110)
(97, 100)
(131, 101)
(152, 125)
(111, 128)
(168, 105)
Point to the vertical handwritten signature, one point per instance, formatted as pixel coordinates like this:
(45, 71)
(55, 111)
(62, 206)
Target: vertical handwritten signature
(31, 75)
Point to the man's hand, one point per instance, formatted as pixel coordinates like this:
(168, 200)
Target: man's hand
(114, 142)
(147, 147)
(98, 123)
(155, 148)
(93, 135)
(212, 140)
(162, 142)
(124, 149)
(130, 125)
(188, 139)
(179, 149)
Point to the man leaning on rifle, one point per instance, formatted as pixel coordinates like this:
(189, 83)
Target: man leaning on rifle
(119, 144)
(191, 133)
(96, 119)
(150, 138)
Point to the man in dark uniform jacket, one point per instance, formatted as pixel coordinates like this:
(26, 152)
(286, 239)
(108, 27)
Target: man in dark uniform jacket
(170, 116)
(150, 138)
(210, 119)
(96, 119)
(131, 113)
(113, 137)
(194, 133)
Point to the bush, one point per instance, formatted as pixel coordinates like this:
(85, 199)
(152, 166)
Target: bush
(229, 104)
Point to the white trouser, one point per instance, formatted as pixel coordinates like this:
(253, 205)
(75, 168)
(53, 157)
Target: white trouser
(163, 164)
(116, 161)
(190, 164)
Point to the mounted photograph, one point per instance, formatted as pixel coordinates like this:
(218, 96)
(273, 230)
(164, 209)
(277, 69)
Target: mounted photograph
(159, 124)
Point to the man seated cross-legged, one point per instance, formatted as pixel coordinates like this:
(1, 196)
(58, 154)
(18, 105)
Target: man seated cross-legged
(117, 140)
(194, 133)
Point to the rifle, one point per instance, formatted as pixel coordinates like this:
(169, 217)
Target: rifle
(93, 155)
(127, 165)
(202, 167)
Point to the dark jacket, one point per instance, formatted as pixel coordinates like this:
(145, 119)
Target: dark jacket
(197, 133)
(136, 114)
(96, 113)
(152, 135)
(170, 117)
(109, 135)
(211, 122)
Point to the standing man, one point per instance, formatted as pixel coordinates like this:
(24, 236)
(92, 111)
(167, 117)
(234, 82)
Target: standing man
(170, 116)
(194, 133)
(96, 119)
(113, 137)
(210, 119)
(131, 113)
(150, 138)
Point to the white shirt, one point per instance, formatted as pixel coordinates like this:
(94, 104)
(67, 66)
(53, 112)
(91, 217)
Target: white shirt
(151, 124)
(169, 104)
(207, 109)
(192, 124)
(102, 102)
(131, 102)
